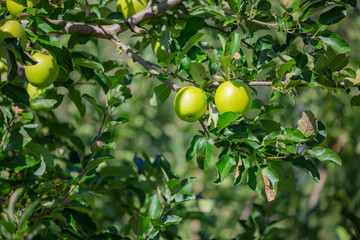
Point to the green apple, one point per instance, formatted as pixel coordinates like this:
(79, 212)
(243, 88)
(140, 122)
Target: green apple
(44, 73)
(233, 96)
(11, 29)
(15, 8)
(130, 7)
(190, 103)
(160, 51)
(33, 93)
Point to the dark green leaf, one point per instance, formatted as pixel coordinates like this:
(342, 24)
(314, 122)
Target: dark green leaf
(305, 165)
(16, 93)
(226, 119)
(39, 152)
(224, 165)
(161, 93)
(252, 179)
(95, 105)
(140, 224)
(332, 16)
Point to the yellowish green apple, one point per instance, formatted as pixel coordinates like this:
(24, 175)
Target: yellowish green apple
(33, 93)
(130, 7)
(190, 103)
(11, 29)
(44, 72)
(15, 8)
(233, 96)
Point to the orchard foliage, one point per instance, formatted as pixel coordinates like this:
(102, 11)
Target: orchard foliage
(50, 177)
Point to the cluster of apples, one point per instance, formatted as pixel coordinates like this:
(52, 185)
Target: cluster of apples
(231, 96)
(40, 75)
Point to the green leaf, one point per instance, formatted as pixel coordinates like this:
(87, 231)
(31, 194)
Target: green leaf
(262, 49)
(165, 221)
(211, 9)
(163, 163)
(140, 224)
(284, 67)
(17, 138)
(225, 61)
(87, 63)
(189, 44)
(335, 41)
(161, 93)
(78, 38)
(16, 93)
(332, 16)
(202, 147)
(93, 102)
(306, 165)
(116, 122)
(226, 119)
(48, 99)
(285, 178)
(243, 166)
(78, 144)
(252, 179)
(355, 101)
(97, 161)
(75, 96)
(326, 154)
(154, 207)
(39, 152)
(175, 185)
(235, 44)
(28, 212)
(180, 198)
(324, 60)
(198, 72)
(224, 165)
(18, 163)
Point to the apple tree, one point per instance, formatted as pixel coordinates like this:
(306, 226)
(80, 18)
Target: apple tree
(86, 84)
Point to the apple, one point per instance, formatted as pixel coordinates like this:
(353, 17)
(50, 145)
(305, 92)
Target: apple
(11, 29)
(190, 103)
(233, 96)
(44, 72)
(160, 51)
(130, 7)
(15, 8)
(33, 93)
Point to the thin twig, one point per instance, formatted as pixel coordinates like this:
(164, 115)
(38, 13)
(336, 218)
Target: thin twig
(143, 62)
(268, 83)
(300, 6)
(83, 172)
(205, 129)
(8, 130)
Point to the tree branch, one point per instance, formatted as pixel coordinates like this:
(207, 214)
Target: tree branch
(106, 31)
(143, 62)
(268, 83)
